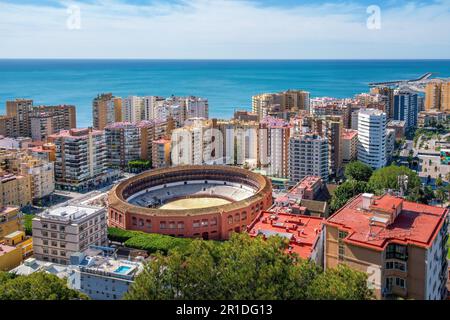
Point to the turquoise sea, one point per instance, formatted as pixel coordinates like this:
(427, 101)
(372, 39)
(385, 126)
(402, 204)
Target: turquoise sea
(228, 84)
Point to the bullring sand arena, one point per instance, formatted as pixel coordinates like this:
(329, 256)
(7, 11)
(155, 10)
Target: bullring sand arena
(190, 201)
(194, 203)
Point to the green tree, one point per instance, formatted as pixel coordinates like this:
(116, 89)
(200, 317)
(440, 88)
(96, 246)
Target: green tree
(358, 171)
(242, 268)
(387, 178)
(338, 284)
(442, 195)
(439, 182)
(345, 192)
(37, 286)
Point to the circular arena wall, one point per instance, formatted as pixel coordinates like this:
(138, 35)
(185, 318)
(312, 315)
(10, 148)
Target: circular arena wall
(131, 205)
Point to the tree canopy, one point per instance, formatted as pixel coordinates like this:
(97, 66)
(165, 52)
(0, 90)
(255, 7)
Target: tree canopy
(387, 178)
(37, 286)
(242, 268)
(346, 191)
(358, 171)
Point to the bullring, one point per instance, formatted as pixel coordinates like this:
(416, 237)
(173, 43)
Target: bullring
(209, 202)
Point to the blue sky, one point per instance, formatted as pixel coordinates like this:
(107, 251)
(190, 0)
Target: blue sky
(190, 29)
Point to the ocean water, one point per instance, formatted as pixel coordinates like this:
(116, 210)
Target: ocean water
(228, 84)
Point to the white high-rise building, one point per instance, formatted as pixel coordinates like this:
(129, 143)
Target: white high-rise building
(133, 109)
(372, 137)
(308, 156)
(197, 143)
(196, 108)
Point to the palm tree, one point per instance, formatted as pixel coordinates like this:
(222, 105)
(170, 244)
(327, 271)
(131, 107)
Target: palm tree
(442, 195)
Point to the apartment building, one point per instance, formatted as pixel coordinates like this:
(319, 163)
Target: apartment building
(308, 156)
(151, 130)
(38, 172)
(399, 127)
(7, 126)
(10, 220)
(45, 152)
(25, 120)
(20, 110)
(372, 137)
(406, 107)
(100, 275)
(292, 100)
(198, 142)
(240, 140)
(387, 92)
(401, 245)
(15, 190)
(332, 129)
(60, 232)
(42, 176)
(390, 144)
(278, 134)
(432, 118)
(161, 153)
(123, 143)
(81, 158)
(41, 126)
(336, 109)
(437, 96)
(106, 109)
(197, 108)
(349, 145)
(133, 109)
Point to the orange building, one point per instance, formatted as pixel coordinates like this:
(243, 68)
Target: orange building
(304, 233)
(401, 245)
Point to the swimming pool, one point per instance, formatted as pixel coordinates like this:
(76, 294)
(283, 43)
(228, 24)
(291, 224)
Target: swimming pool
(122, 269)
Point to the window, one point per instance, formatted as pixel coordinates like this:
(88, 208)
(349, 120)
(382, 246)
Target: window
(196, 224)
(214, 221)
(162, 225)
(396, 265)
(341, 249)
(141, 222)
(204, 223)
(172, 225)
(180, 225)
(230, 219)
(134, 221)
(396, 251)
(399, 282)
(149, 223)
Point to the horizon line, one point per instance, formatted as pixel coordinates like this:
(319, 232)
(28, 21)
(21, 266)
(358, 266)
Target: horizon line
(241, 59)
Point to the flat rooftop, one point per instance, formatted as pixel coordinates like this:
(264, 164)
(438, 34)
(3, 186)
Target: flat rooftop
(349, 134)
(4, 249)
(301, 231)
(68, 212)
(415, 224)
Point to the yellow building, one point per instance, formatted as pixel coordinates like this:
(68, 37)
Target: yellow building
(10, 257)
(10, 221)
(15, 190)
(16, 248)
(20, 240)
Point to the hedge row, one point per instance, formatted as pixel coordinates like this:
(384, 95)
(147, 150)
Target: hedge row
(151, 242)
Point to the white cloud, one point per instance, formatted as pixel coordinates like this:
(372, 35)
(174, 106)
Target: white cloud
(224, 29)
